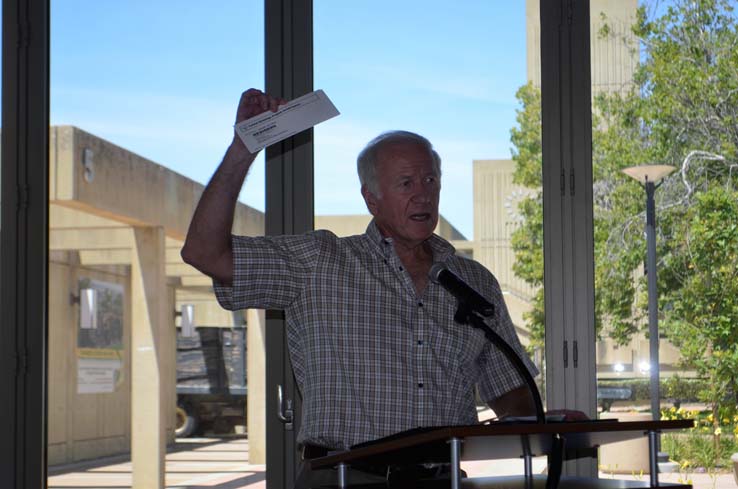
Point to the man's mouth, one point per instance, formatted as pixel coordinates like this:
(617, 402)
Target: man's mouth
(420, 217)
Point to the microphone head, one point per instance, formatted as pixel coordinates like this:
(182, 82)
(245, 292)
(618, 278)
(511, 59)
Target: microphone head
(435, 271)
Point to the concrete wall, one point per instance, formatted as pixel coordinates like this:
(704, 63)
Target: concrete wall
(496, 217)
(85, 426)
(126, 187)
(630, 356)
(102, 198)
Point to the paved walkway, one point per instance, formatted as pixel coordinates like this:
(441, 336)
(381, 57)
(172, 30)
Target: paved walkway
(220, 463)
(513, 467)
(192, 463)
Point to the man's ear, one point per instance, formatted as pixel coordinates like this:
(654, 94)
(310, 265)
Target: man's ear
(370, 199)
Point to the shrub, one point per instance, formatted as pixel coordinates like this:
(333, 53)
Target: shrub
(676, 389)
(692, 449)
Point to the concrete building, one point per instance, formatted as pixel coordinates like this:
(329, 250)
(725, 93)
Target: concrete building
(614, 57)
(118, 373)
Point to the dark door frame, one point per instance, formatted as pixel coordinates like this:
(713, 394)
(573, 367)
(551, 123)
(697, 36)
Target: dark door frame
(289, 210)
(24, 242)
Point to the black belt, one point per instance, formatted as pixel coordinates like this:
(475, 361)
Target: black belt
(314, 451)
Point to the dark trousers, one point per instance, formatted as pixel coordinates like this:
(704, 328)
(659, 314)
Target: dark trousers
(389, 477)
(313, 479)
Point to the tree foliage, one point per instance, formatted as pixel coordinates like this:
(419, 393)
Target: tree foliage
(682, 109)
(527, 241)
(702, 267)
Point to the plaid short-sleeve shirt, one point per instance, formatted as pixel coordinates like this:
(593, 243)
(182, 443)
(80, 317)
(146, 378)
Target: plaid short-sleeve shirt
(371, 357)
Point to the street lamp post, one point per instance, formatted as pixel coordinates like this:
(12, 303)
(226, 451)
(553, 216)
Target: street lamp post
(650, 176)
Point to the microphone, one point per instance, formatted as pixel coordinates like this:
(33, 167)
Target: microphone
(464, 293)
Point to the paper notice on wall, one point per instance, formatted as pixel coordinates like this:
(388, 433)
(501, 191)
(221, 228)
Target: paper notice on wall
(295, 116)
(96, 375)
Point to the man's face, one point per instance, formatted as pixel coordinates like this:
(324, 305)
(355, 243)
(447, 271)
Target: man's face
(406, 208)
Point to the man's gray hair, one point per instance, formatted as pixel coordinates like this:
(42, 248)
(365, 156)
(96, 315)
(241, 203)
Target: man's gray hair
(366, 162)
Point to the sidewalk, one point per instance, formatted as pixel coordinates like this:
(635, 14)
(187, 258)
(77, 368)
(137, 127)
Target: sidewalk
(698, 481)
(192, 463)
(221, 463)
(515, 466)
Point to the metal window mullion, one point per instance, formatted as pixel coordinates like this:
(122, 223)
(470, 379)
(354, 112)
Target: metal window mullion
(289, 206)
(568, 222)
(24, 242)
(553, 211)
(583, 224)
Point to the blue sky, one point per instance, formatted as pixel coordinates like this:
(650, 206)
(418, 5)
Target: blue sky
(162, 79)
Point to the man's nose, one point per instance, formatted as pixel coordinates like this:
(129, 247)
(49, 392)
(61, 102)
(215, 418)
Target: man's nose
(423, 195)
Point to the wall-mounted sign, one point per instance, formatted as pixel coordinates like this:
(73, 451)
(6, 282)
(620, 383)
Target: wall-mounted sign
(97, 375)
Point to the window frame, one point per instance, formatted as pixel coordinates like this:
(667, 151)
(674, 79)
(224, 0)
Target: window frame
(568, 226)
(24, 241)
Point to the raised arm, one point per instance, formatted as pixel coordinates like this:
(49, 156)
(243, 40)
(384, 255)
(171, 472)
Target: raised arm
(208, 243)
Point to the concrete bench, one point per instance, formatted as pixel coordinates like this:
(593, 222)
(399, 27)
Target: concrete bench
(607, 395)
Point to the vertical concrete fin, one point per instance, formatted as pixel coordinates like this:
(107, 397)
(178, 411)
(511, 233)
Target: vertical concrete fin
(148, 300)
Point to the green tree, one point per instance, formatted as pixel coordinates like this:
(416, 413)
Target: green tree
(527, 241)
(702, 319)
(682, 109)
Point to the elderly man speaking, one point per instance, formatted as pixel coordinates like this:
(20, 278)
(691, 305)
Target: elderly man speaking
(373, 342)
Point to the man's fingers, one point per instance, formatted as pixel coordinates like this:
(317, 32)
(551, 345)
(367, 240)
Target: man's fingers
(254, 102)
(249, 96)
(251, 92)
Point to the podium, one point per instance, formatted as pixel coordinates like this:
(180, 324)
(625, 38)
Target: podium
(559, 441)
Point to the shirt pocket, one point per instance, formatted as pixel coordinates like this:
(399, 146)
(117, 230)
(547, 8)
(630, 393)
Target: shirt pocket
(456, 346)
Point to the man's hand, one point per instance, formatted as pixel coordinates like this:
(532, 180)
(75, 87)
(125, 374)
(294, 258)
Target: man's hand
(253, 102)
(569, 414)
(517, 402)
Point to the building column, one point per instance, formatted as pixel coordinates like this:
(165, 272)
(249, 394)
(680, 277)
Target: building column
(148, 402)
(256, 382)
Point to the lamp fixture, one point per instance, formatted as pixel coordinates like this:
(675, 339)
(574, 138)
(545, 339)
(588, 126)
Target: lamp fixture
(648, 173)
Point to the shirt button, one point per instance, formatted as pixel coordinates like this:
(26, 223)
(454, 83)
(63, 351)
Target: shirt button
(420, 385)
(420, 304)
(420, 342)
(401, 269)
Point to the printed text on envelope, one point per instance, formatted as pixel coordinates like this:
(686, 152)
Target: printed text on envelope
(295, 116)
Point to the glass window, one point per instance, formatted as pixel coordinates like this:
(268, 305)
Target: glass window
(143, 100)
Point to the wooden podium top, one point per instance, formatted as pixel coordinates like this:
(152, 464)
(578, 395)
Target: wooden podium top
(493, 441)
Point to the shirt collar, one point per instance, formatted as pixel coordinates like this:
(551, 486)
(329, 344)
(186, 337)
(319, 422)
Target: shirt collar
(441, 248)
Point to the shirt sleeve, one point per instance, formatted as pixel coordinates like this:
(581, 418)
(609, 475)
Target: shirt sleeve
(269, 272)
(498, 374)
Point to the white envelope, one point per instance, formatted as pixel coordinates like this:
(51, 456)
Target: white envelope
(295, 116)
